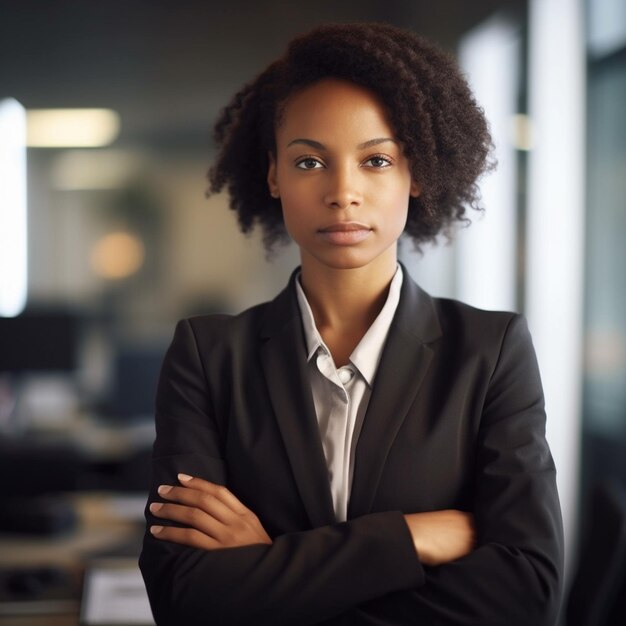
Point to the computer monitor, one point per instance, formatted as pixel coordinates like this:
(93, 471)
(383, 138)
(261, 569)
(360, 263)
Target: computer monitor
(136, 368)
(39, 340)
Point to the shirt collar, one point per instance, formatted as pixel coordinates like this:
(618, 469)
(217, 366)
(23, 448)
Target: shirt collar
(311, 335)
(366, 356)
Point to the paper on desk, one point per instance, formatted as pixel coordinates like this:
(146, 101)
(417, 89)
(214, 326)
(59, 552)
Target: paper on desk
(115, 596)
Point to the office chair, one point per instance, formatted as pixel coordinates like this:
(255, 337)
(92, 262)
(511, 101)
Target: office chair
(596, 595)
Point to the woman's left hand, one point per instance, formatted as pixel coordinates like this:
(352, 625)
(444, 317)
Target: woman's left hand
(213, 517)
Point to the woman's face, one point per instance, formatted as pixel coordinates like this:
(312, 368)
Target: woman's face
(342, 178)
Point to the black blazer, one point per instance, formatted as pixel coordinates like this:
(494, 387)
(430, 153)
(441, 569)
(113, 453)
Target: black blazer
(456, 420)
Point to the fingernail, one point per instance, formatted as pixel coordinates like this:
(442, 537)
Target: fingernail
(155, 506)
(164, 489)
(155, 530)
(184, 477)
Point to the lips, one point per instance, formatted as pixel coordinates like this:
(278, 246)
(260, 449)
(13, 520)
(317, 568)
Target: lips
(345, 233)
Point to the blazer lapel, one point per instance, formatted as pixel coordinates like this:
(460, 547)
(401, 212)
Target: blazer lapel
(284, 366)
(404, 362)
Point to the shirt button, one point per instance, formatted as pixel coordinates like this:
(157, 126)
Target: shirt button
(323, 364)
(345, 375)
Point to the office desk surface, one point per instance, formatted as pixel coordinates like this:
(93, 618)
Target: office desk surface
(109, 524)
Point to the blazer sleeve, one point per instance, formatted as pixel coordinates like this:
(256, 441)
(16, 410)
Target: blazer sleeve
(302, 578)
(513, 577)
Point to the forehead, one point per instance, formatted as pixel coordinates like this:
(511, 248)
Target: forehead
(330, 106)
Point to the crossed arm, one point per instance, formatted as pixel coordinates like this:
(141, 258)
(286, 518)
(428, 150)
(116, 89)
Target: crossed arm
(364, 571)
(212, 517)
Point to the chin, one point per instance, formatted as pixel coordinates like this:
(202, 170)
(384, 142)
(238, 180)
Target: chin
(347, 259)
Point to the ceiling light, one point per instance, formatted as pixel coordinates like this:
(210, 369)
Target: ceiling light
(66, 128)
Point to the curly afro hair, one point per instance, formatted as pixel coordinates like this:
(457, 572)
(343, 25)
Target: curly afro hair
(443, 131)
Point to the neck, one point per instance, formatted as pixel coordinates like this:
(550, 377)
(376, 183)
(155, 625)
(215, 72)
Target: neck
(347, 300)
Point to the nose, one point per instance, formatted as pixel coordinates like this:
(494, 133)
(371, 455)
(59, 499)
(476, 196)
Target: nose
(343, 189)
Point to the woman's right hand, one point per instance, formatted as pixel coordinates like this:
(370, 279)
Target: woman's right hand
(212, 517)
(441, 536)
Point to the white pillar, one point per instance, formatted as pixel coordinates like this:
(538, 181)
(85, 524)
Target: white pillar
(13, 227)
(486, 252)
(555, 231)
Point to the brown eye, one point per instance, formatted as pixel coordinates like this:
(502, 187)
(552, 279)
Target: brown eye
(378, 162)
(309, 164)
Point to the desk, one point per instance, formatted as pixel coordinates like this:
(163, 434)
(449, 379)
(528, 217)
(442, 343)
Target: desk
(109, 524)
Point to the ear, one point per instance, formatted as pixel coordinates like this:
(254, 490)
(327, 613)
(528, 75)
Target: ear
(272, 177)
(415, 189)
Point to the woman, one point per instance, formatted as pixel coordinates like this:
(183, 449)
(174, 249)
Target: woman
(355, 451)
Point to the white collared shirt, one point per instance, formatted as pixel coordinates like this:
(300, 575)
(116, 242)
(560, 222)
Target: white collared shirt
(341, 395)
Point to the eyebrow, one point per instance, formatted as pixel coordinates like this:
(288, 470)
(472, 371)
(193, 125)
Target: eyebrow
(320, 146)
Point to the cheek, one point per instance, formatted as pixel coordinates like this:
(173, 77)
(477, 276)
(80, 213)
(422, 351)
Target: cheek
(292, 188)
(296, 197)
(396, 201)
(294, 213)
(399, 219)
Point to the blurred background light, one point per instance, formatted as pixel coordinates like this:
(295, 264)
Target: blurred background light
(522, 132)
(66, 128)
(75, 170)
(605, 352)
(13, 209)
(117, 255)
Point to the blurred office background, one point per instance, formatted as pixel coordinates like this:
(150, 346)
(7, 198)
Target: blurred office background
(107, 239)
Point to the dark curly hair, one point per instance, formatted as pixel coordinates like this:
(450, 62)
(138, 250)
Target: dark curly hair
(431, 108)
